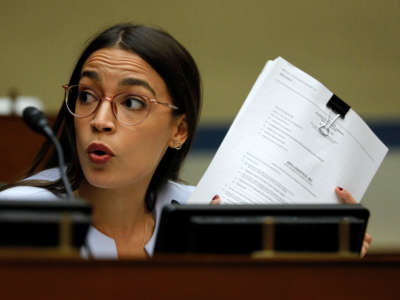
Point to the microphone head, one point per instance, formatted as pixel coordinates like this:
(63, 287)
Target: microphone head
(35, 119)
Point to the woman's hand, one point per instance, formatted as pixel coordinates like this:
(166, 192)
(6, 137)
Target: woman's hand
(216, 200)
(347, 198)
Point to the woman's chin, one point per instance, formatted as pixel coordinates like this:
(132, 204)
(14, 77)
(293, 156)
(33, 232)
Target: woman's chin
(116, 179)
(101, 180)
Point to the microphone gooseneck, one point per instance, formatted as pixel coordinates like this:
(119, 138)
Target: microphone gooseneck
(37, 121)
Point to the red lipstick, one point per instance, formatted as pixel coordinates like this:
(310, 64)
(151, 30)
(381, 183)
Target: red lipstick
(99, 153)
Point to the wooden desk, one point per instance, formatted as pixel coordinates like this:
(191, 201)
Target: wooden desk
(201, 278)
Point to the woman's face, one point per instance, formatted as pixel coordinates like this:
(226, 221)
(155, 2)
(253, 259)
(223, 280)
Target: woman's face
(114, 155)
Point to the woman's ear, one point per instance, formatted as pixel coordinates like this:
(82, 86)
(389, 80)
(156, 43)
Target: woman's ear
(179, 132)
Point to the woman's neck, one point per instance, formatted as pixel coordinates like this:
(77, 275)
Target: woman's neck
(122, 215)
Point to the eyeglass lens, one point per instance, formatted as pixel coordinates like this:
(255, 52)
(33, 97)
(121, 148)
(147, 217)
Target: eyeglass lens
(128, 108)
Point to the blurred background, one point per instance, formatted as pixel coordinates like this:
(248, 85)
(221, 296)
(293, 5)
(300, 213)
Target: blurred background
(352, 47)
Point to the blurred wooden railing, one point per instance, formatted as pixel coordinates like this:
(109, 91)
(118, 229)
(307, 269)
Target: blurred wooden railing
(18, 147)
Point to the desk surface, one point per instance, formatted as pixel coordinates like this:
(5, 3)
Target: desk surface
(208, 277)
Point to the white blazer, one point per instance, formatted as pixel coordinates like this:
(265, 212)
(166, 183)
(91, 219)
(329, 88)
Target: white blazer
(101, 245)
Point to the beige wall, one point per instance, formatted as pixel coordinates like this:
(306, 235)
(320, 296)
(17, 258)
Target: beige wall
(353, 47)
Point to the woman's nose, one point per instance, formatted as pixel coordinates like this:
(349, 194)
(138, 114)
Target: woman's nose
(103, 120)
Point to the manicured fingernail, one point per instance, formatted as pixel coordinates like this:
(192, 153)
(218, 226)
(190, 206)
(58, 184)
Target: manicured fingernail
(215, 197)
(340, 188)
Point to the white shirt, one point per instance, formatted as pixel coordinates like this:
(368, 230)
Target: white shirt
(101, 245)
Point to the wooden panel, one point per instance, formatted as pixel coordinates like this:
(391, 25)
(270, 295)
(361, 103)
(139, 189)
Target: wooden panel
(200, 278)
(18, 147)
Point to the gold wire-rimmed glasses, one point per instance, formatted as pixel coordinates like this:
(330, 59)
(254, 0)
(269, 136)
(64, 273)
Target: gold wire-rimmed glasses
(128, 108)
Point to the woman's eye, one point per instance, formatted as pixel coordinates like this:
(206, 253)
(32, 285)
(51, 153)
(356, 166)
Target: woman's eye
(134, 103)
(86, 97)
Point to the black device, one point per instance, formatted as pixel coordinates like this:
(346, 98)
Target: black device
(38, 223)
(241, 229)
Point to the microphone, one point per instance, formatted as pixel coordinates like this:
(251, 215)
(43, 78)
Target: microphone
(37, 121)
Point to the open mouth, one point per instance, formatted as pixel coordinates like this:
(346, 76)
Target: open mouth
(99, 153)
(99, 149)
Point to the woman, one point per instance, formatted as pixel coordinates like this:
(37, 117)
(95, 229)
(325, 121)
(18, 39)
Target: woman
(129, 116)
(131, 110)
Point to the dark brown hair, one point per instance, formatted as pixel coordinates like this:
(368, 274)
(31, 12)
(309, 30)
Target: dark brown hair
(178, 70)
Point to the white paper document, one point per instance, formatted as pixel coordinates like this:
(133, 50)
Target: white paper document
(275, 152)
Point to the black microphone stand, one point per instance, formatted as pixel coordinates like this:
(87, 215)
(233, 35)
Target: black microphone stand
(37, 121)
(61, 162)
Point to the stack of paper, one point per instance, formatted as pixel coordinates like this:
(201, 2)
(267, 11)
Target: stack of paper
(275, 152)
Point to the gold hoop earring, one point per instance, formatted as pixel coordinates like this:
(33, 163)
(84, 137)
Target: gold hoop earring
(178, 146)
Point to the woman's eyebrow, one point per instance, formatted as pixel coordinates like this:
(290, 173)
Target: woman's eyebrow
(135, 81)
(91, 74)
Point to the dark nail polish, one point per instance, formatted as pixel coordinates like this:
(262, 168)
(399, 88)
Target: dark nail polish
(340, 189)
(215, 197)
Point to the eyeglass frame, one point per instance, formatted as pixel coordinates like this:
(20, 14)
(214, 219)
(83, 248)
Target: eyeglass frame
(67, 88)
